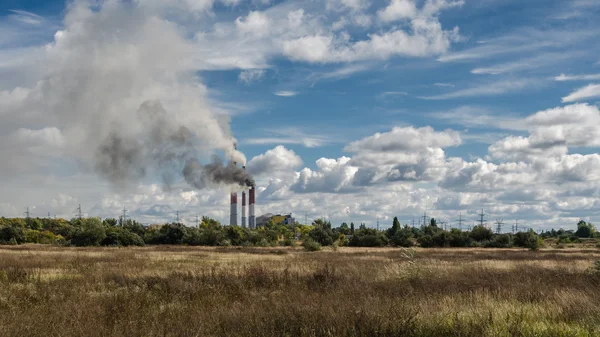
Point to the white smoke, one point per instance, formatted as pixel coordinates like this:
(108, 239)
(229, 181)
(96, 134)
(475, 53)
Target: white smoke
(120, 84)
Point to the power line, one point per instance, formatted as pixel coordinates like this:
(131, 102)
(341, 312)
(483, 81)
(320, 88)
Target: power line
(425, 219)
(516, 228)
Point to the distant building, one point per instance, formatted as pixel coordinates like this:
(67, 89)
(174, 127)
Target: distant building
(285, 219)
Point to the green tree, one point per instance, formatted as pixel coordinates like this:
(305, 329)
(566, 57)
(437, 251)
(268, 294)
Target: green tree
(432, 222)
(394, 229)
(481, 233)
(352, 228)
(12, 235)
(90, 232)
(585, 230)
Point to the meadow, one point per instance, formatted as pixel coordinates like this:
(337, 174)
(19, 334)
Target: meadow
(284, 291)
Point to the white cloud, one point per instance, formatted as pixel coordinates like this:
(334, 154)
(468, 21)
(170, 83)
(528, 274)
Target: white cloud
(398, 10)
(480, 117)
(402, 139)
(251, 75)
(588, 77)
(334, 175)
(551, 132)
(289, 135)
(487, 89)
(538, 61)
(26, 17)
(274, 162)
(584, 93)
(256, 23)
(285, 93)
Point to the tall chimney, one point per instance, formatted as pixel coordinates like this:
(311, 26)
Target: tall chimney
(244, 206)
(252, 218)
(233, 213)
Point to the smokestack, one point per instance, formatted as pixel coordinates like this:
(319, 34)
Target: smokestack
(244, 205)
(252, 219)
(233, 213)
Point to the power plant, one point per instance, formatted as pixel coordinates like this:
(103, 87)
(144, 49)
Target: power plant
(251, 223)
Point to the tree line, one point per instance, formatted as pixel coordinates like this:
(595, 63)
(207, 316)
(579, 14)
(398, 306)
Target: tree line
(112, 232)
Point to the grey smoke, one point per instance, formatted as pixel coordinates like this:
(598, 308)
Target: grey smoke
(165, 147)
(202, 176)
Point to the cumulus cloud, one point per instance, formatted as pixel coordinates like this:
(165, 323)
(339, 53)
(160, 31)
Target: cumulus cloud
(256, 23)
(551, 132)
(397, 10)
(276, 161)
(584, 93)
(333, 175)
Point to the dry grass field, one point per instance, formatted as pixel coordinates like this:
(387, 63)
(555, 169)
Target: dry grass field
(186, 291)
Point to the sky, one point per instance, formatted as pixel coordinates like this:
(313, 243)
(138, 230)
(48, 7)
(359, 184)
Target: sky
(348, 110)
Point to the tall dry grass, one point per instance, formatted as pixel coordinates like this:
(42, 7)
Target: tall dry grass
(183, 291)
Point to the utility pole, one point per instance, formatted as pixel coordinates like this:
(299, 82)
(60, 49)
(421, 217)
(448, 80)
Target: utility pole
(79, 213)
(516, 229)
(378, 224)
(499, 224)
(124, 216)
(424, 219)
(460, 221)
(413, 222)
(27, 216)
(305, 218)
(481, 219)
(177, 213)
(197, 221)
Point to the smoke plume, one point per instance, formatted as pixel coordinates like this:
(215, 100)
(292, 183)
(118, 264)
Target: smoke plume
(120, 84)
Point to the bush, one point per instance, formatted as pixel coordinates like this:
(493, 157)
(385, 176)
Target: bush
(402, 238)
(12, 235)
(481, 233)
(288, 243)
(324, 237)
(528, 240)
(116, 236)
(500, 241)
(89, 233)
(311, 245)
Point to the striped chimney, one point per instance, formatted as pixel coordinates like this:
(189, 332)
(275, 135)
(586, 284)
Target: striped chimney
(244, 206)
(251, 200)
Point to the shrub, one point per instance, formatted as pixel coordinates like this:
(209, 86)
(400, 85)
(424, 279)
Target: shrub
(323, 236)
(500, 241)
(89, 233)
(311, 245)
(116, 236)
(481, 233)
(288, 243)
(12, 235)
(528, 240)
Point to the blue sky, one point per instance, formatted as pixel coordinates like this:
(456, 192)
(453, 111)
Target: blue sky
(345, 109)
